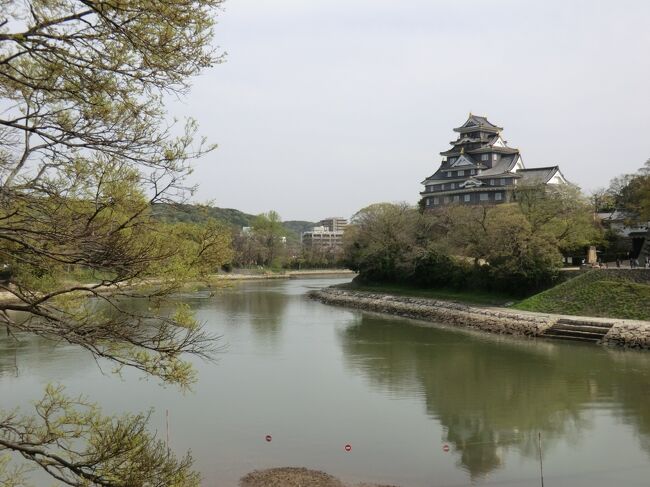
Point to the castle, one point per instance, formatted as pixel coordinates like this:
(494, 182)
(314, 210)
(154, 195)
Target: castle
(480, 168)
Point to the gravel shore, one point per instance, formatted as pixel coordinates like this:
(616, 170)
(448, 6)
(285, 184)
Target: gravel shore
(295, 477)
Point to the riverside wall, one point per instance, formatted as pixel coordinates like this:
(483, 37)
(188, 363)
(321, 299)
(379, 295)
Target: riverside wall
(629, 334)
(624, 333)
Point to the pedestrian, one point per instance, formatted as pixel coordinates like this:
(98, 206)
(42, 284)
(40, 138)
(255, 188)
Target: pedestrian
(636, 262)
(631, 263)
(618, 262)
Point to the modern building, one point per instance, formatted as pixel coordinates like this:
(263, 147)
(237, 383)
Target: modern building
(480, 168)
(334, 224)
(328, 234)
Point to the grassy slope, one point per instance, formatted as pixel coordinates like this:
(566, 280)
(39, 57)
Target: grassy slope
(469, 297)
(597, 293)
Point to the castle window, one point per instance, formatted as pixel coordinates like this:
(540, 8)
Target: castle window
(452, 186)
(467, 198)
(502, 181)
(485, 157)
(436, 201)
(498, 196)
(448, 174)
(495, 157)
(461, 173)
(491, 182)
(472, 172)
(484, 197)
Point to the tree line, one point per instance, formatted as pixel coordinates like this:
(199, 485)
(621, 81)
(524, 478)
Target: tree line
(515, 248)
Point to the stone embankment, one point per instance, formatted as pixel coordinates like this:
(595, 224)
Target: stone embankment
(624, 333)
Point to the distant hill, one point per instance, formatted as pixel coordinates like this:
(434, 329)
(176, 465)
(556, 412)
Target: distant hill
(298, 226)
(199, 213)
(230, 216)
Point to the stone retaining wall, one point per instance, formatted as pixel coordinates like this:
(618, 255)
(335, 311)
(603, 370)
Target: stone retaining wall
(624, 333)
(493, 320)
(629, 334)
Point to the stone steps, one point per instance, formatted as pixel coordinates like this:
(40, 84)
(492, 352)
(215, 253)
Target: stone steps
(578, 330)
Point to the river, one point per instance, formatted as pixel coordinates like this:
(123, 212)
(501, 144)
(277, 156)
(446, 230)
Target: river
(420, 405)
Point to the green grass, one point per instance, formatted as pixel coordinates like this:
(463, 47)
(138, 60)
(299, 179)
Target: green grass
(469, 297)
(610, 294)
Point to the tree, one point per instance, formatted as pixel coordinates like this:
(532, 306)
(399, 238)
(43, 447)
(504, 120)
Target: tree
(559, 213)
(508, 252)
(85, 151)
(631, 192)
(380, 241)
(264, 243)
(271, 234)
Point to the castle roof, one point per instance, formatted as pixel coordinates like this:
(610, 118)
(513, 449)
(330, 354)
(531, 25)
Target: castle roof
(504, 166)
(475, 123)
(540, 175)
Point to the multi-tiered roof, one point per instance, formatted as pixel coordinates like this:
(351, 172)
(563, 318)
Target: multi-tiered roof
(481, 162)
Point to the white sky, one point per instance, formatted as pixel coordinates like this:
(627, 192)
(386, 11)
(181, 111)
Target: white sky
(324, 107)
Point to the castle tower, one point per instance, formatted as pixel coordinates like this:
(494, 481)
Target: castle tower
(480, 168)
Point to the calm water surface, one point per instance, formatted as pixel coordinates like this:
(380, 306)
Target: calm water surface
(317, 378)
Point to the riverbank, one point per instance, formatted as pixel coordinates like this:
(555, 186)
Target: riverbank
(239, 275)
(8, 297)
(622, 333)
(481, 298)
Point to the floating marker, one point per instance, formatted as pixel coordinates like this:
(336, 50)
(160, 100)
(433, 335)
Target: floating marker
(268, 438)
(445, 448)
(348, 447)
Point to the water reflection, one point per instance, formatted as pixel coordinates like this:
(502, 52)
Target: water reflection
(22, 353)
(259, 305)
(496, 394)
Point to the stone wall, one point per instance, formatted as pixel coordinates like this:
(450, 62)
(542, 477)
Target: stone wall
(629, 334)
(624, 333)
(494, 320)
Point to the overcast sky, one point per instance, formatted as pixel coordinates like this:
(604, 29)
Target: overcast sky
(324, 107)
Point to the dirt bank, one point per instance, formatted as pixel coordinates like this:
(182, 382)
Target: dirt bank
(295, 477)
